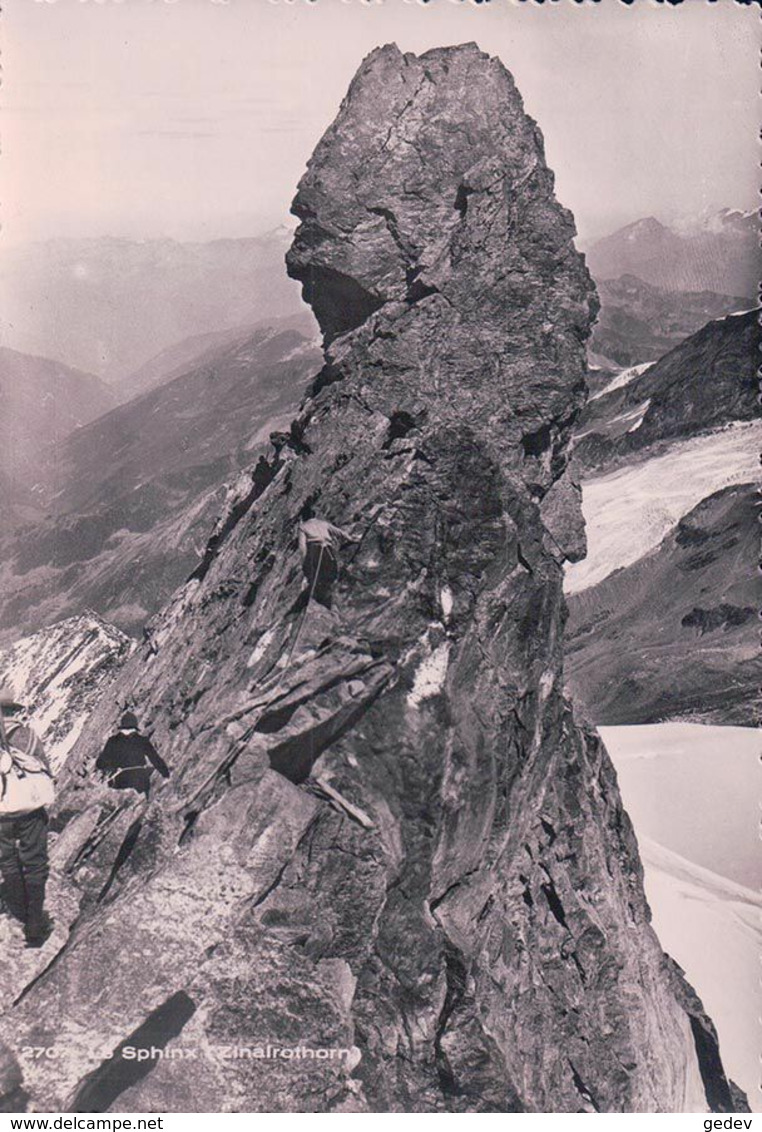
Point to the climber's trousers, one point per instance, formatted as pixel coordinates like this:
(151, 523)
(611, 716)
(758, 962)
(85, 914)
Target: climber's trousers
(321, 569)
(24, 862)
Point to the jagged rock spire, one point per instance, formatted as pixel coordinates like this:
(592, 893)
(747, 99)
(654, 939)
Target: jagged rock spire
(480, 941)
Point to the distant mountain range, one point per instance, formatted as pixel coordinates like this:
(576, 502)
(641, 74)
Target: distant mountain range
(128, 500)
(108, 305)
(639, 322)
(43, 401)
(721, 253)
(180, 357)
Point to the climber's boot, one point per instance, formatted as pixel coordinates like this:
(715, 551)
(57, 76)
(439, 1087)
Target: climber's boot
(38, 926)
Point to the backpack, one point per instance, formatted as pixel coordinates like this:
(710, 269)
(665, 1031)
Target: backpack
(27, 784)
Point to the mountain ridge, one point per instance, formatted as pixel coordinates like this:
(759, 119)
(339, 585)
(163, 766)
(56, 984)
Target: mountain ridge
(179, 357)
(124, 506)
(44, 401)
(674, 635)
(640, 322)
(118, 301)
(476, 899)
(720, 254)
(705, 382)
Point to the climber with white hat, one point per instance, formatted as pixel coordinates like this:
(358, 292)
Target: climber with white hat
(26, 789)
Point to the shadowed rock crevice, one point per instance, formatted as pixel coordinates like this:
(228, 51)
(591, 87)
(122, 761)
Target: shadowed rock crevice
(455, 982)
(554, 903)
(400, 424)
(262, 476)
(340, 303)
(536, 443)
(461, 200)
(718, 1094)
(125, 849)
(102, 1088)
(583, 1090)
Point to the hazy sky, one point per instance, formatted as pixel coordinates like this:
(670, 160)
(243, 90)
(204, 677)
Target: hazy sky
(194, 118)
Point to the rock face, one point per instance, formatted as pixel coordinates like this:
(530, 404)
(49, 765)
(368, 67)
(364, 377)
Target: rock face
(707, 382)
(467, 931)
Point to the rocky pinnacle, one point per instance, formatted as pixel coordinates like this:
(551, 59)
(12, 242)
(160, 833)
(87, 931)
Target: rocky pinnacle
(385, 843)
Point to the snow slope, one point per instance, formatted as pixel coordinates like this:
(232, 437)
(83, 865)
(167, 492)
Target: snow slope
(622, 378)
(629, 511)
(60, 672)
(692, 793)
(712, 927)
(694, 789)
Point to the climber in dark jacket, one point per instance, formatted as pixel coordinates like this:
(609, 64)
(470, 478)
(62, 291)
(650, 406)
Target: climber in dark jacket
(129, 759)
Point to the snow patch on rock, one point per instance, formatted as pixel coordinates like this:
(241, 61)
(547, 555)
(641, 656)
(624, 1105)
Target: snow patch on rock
(430, 676)
(640, 417)
(261, 647)
(547, 681)
(446, 603)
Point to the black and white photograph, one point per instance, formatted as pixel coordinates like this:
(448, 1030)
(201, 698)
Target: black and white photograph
(380, 676)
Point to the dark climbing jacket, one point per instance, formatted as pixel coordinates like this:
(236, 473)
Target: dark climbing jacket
(128, 761)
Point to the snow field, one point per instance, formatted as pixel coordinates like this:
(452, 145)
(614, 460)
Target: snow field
(692, 793)
(629, 511)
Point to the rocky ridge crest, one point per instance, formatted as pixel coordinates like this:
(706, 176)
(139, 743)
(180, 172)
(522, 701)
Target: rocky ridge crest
(471, 928)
